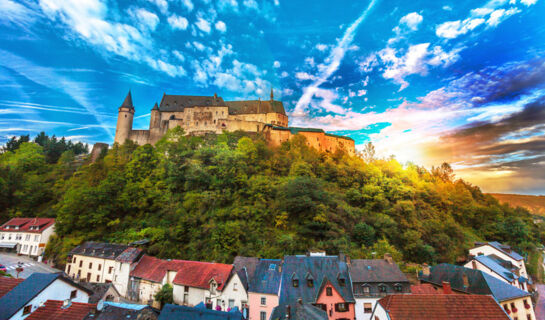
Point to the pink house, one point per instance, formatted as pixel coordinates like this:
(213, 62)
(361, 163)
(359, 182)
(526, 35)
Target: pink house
(331, 301)
(263, 289)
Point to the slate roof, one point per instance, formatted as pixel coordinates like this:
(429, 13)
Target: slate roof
(174, 312)
(245, 268)
(19, 296)
(375, 270)
(503, 248)
(189, 273)
(8, 283)
(100, 250)
(442, 307)
(53, 310)
(127, 103)
(255, 106)
(116, 311)
(130, 255)
(171, 102)
(496, 267)
(25, 224)
(479, 282)
(424, 288)
(320, 268)
(267, 276)
(99, 290)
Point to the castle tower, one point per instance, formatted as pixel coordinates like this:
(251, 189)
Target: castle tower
(124, 120)
(272, 95)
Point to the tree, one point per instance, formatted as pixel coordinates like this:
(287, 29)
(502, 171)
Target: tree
(368, 153)
(165, 295)
(14, 143)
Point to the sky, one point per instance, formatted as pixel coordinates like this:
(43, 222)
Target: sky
(426, 81)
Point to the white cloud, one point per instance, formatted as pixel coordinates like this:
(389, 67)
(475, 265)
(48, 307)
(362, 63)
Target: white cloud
(199, 46)
(177, 22)
(321, 47)
(309, 61)
(203, 25)
(251, 4)
(305, 76)
(220, 26)
(178, 55)
(362, 92)
(500, 15)
(276, 64)
(16, 13)
(528, 2)
(284, 74)
(187, 4)
(453, 29)
(412, 20)
(144, 18)
(333, 61)
(443, 58)
(447, 8)
(413, 62)
(228, 4)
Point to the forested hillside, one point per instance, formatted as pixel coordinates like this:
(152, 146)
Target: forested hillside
(211, 198)
(534, 204)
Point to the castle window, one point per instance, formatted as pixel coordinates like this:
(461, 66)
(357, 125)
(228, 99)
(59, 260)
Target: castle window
(196, 123)
(172, 117)
(125, 116)
(215, 120)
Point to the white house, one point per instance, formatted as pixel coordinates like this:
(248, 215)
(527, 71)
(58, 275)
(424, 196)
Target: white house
(502, 251)
(27, 236)
(233, 294)
(32, 293)
(500, 269)
(103, 263)
(193, 282)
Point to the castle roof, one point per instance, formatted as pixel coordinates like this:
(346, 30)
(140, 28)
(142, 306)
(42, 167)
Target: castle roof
(127, 103)
(173, 103)
(255, 106)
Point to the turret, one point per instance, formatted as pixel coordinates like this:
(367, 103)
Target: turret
(155, 117)
(124, 120)
(272, 95)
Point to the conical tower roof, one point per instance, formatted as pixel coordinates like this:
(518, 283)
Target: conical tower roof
(155, 107)
(127, 103)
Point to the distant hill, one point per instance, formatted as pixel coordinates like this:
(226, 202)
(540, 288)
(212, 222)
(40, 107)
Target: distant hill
(534, 204)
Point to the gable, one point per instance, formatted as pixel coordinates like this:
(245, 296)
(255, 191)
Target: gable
(324, 298)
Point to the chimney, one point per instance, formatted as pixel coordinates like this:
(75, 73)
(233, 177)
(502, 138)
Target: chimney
(425, 270)
(288, 312)
(388, 258)
(66, 304)
(446, 287)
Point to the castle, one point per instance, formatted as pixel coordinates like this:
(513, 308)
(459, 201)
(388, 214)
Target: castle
(199, 115)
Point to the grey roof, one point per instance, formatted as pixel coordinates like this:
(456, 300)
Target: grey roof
(100, 250)
(171, 102)
(506, 249)
(116, 311)
(245, 268)
(19, 296)
(497, 267)
(99, 290)
(479, 282)
(299, 311)
(322, 269)
(127, 103)
(255, 106)
(267, 276)
(375, 270)
(174, 312)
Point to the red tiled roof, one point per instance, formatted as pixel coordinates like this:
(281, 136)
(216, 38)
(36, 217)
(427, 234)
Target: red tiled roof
(52, 309)
(24, 224)
(7, 283)
(442, 307)
(425, 288)
(189, 273)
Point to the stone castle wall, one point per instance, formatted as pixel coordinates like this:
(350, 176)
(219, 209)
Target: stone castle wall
(318, 140)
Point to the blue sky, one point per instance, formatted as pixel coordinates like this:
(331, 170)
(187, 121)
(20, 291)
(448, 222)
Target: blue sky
(426, 81)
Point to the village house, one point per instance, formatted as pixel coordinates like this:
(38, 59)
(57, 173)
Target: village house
(501, 251)
(318, 280)
(499, 268)
(517, 303)
(438, 307)
(29, 295)
(373, 279)
(193, 282)
(103, 263)
(27, 236)
(102, 292)
(263, 288)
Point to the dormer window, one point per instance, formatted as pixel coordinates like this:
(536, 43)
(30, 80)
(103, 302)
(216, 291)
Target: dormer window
(398, 287)
(310, 283)
(295, 283)
(382, 288)
(366, 289)
(342, 282)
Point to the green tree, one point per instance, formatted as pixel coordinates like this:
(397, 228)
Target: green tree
(164, 295)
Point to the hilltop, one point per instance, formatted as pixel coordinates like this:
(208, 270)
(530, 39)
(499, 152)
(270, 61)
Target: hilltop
(534, 204)
(214, 197)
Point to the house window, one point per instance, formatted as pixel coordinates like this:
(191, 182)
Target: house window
(90, 265)
(382, 288)
(263, 301)
(342, 282)
(295, 283)
(73, 294)
(231, 303)
(110, 269)
(263, 315)
(98, 278)
(310, 283)
(529, 317)
(328, 291)
(79, 274)
(74, 260)
(88, 276)
(99, 266)
(37, 238)
(27, 238)
(68, 270)
(341, 307)
(80, 263)
(366, 289)
(235, 286)
(398, 288)
(367, 307)
(27, 309)
(25, 247)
